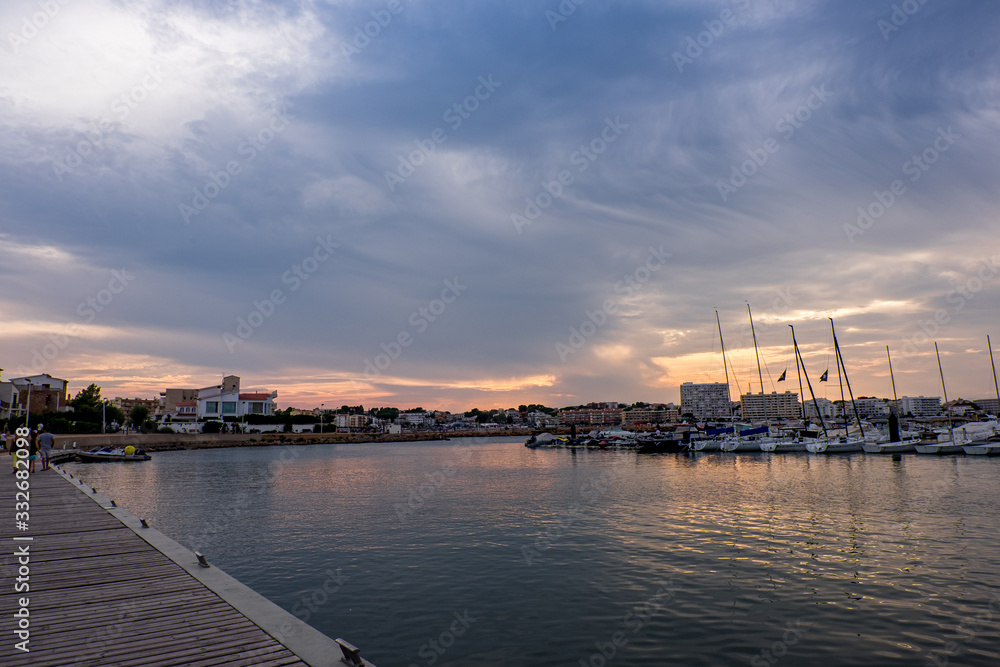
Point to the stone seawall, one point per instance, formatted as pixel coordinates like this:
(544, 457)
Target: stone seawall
(158, 442)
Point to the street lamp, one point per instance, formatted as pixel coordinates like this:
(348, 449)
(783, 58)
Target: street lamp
(321, 405)
(27, 417)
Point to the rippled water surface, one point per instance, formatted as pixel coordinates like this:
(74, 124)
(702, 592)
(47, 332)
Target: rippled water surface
(551, 557)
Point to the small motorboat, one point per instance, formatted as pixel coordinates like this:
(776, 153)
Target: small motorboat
(113, 454)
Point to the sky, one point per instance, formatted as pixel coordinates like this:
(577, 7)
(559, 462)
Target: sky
(485, 204)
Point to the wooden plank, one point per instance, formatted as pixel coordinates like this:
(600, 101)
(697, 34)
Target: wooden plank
(100, 595)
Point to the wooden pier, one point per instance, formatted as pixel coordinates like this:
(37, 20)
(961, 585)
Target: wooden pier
(105, 591)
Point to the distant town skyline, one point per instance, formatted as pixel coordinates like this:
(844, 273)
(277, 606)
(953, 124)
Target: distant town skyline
(456, 205)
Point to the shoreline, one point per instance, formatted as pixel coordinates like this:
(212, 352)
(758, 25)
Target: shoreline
(162, 442)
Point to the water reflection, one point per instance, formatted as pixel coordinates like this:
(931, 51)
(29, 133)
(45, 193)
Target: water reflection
(880, 559)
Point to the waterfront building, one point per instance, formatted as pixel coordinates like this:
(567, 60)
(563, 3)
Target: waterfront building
(920, 406)
(761, 407)
(48, 394)
(126, 404)
(650, 416)
(826, 408)
(225, 400)
(592, 417)
(989, 405)
(706, 401)
(172, 398)
(871, 408)
(9, 399)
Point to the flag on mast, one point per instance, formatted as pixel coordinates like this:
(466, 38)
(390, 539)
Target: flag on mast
(822, 378)
(782, 378)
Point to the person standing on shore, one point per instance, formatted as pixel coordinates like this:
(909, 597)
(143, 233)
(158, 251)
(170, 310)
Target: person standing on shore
(32, 450)
(3, 438)
(45, 443)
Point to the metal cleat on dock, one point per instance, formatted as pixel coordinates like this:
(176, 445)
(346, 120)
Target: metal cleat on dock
(352, 654)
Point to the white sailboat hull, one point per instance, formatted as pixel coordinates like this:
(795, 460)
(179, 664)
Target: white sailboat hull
(706, 446)
(835, 447)
(939, 448)
(741, 446)
(782, 447)
(889, 447)
(982, 450)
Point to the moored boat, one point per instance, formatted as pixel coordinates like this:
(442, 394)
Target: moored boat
(890, 447)
(113, 454)
(842, 445)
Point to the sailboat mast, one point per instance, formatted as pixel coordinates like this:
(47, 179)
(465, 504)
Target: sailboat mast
(892, 377)
(753, 333)
(995, 386)
(798, 358)
(944, 390)
(722, 344)
(802, 394)
(840, 379)
(840, 361)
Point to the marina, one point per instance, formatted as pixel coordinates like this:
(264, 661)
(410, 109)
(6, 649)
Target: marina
(104, 589)
(882, 561)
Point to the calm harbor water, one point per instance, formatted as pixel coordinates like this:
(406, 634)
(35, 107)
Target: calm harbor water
(483, 552)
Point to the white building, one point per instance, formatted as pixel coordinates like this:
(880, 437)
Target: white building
(760, 407)
(9, 399)
(225, 400)
(920, 406)
(990, 405)
(706, 401)
(871, 408)
(826, 408)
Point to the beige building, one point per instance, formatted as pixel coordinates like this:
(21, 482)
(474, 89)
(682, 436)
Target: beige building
(761, 407)
(664, 416)
(706, 401)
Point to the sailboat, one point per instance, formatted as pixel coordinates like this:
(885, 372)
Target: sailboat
(846, 443)
(747, 441)
(990, 446)
(711, 444)
(948, 446)
(899, 446)
(797, 444)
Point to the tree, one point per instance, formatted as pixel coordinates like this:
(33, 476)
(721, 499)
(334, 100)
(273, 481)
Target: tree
(87, 398)
(138, 415)
(387, 413)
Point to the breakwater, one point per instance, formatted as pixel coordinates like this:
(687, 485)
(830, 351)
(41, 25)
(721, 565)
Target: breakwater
(159, 442)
